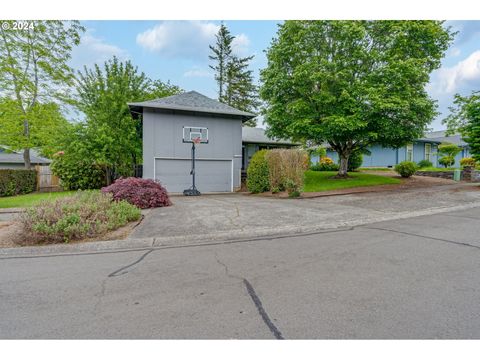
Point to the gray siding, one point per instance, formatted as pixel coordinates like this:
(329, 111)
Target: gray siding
(162, 139)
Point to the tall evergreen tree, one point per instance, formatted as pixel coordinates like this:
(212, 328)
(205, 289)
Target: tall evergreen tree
(234, 78)
(221, 54)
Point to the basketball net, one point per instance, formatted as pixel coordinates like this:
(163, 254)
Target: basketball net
(196, 140)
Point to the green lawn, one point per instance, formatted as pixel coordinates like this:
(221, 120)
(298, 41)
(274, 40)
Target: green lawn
(30, 199)
(438, 169)
(322, 181)
(375, 169)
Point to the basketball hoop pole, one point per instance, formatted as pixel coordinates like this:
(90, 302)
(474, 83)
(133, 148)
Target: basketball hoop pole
(193, 190)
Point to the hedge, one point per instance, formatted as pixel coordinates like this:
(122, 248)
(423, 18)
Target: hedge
(17, 181)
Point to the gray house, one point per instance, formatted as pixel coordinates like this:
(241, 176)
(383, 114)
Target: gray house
(167, 158)
(254, 139)
(14, 160)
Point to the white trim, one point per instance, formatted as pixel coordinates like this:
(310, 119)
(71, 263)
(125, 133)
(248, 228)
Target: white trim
(406, 151)
(429, 153)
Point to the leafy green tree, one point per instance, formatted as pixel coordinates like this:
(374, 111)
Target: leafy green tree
(448, 152)
(33, 71)
(109, 136)
(47, 127)
(234, 78)
(465, 118)
(352, 83)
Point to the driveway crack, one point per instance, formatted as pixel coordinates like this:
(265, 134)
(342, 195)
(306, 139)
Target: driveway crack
(423, 236)
(255, 299)
(122, 270)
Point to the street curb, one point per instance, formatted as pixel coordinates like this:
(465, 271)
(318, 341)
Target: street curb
(223, 237)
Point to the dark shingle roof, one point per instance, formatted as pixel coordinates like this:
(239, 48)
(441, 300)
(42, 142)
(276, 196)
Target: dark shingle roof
(440, 136)
(257, 136)
(191, 101)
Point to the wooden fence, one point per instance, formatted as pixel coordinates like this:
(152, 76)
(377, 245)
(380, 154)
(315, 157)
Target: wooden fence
(46, 181)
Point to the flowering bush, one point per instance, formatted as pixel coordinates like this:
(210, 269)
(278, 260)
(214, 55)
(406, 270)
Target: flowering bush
(468, 161)
(143, 193)
(326, 160)
(85, 214)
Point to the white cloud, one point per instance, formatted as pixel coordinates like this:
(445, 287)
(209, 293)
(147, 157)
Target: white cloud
(197, 71)
(93, 50)
(240, 45)
(463, 74)
(179, 38)
(186, 39)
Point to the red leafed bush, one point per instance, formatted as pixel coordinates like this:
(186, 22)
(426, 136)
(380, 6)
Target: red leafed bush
(143, 193)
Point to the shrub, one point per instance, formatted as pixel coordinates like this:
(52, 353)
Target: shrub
(143, 193)
(275, 170)
(448, 149)
(446, 160)
(258, 173)
(78, 175)
(325, 167)
(294, 164)
(17, 181)
(85, 214)
(292, 188)
(355, 161)
(325, 164)
(406, 168)
(286, 169)
(424, 164)
(468, 161)
(326, 160)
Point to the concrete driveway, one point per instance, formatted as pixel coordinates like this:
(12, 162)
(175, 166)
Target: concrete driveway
(237, 216)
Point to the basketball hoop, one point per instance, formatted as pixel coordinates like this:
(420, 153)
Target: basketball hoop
(197, 140)
(194, 135)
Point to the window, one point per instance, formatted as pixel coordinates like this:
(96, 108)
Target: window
(409, 156)
(428, 152)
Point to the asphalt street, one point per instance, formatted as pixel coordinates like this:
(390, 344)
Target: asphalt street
(411, 278)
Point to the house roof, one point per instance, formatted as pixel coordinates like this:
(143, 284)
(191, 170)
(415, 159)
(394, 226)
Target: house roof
(441, 137)
(17, 158)
(258, 136)
(191, 101)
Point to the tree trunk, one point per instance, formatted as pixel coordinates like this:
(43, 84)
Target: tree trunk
(26, 159)
(342, 171)
(26, 151)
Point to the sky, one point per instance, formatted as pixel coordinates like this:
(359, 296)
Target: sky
(177, 51)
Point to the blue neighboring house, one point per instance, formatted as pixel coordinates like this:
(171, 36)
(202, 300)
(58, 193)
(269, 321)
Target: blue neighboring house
(425, 148)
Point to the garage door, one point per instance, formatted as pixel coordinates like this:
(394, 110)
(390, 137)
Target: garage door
(211, 175)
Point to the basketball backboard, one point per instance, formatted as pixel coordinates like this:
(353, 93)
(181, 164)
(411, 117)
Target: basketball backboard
(191, 133)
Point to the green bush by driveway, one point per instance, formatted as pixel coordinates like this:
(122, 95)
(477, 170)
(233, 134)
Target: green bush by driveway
(316, 181)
